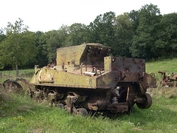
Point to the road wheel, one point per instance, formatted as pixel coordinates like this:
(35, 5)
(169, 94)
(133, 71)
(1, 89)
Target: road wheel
(147, 102)
(82, 111)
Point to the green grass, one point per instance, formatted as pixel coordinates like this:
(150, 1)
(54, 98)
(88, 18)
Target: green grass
(20, 114)
(169, 65)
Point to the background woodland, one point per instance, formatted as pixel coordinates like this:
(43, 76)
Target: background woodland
(144, 33)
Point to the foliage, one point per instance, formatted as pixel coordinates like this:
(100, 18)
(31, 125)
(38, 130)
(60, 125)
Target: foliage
(2, 36)
(148, 18)
(76, 34)
(168, 35)
(54, 41)
(102, 28)
(123, 34)
(18, 46)
(41, 53)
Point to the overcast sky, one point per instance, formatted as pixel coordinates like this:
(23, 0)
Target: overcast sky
(45, 15)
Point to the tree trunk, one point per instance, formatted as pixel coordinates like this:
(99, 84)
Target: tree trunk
(16, 69)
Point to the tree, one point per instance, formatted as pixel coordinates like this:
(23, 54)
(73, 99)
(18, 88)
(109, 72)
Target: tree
(77, 34)
(18, 46)
(167, 42)
(54, 40)
(102, 29)
(123, 35)
(53, 43)
(40, 43)
(146, 27)
(2, 37)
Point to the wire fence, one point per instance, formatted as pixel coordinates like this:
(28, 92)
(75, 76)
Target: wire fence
(11, 74)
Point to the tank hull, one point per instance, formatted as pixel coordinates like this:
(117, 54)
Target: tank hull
(85, 78)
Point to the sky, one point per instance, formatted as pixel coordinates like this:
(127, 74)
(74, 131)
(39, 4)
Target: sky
(46, 15)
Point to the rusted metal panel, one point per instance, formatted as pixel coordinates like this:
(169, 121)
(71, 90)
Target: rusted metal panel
(128, 64)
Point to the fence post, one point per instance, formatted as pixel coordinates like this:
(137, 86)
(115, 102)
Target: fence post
(9, 74)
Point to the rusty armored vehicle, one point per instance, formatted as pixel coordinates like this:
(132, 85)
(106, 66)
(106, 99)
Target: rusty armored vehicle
(168, 80)
(85, 78)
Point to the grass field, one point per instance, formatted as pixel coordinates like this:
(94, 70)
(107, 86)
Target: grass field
(19, 114)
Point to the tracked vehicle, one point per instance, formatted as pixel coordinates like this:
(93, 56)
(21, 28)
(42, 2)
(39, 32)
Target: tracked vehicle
(85, 78)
